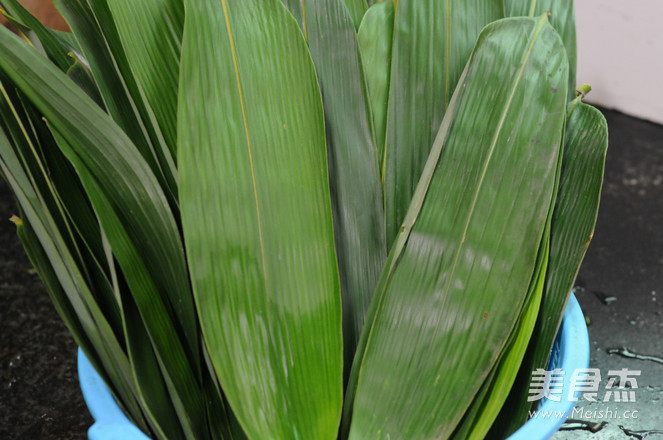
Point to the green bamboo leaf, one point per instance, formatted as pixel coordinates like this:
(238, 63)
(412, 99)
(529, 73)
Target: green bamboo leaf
(487, 404)
(256, 215)
(53, 177)
(80, 74)
(223, 422)
(123, 98)
(54, 45)
(458, 274)
(119, 169)
(150, 311)
(157, 404)
(73, 299)
(51, 172)
(573, 224)
(375, 38)
(575, 213)
(431, 44)
(353, 161)
(60, 47)
(154, 404)
(357, 9)
(562, 18)
(42, 265)
(151, 34)
(111, 156)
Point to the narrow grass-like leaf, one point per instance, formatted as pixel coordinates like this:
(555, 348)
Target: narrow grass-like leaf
(122, 96)
(375, 37)
(431, 43)
(256, 215)
(152, 391)
(55, 47)
(70, 203)
(71, 296)
(354, 176)
(575, 215)
(151, 34)
(122, 174)
(180, 378)
(116, 163)
(53, 177)
(562, 18)
(42, 265)
(459, 272)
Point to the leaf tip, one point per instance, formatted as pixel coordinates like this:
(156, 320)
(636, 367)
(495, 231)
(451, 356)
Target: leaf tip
(16, 220)
(583, 90)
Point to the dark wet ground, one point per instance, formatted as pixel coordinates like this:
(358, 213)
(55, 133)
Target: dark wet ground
(39, 394)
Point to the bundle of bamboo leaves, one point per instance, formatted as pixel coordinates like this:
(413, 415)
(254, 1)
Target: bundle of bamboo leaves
(307, 219)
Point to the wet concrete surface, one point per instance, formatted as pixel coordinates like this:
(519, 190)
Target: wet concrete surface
(40, 398)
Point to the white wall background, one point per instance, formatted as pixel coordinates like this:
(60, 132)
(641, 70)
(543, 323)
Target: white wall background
(620, 54)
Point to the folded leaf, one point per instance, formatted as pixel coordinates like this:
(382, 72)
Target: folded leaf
(375, 37)
(458, 274)
(256, 215)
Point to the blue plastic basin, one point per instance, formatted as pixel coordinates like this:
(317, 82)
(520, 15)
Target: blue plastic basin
(571, 351)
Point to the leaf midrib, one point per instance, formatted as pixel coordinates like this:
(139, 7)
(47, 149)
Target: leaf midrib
(249, 147)
(491, 151)
(447, 54)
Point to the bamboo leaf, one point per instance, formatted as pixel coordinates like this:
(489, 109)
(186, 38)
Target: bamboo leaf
(151, 34)
(123, 176)
(562, 18)
(53, 177)
(42, 264)
(256, 215)
(80, 74)
(431, 44)
(375, 38)
(574, 218)
(353, 162)
(180, 378)
(64, 282)
(487, 404)
(152, 390)
(54, 45)
(357, 9)
(575, 214)
(459, 271)
(114, 160)
(123, 98)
